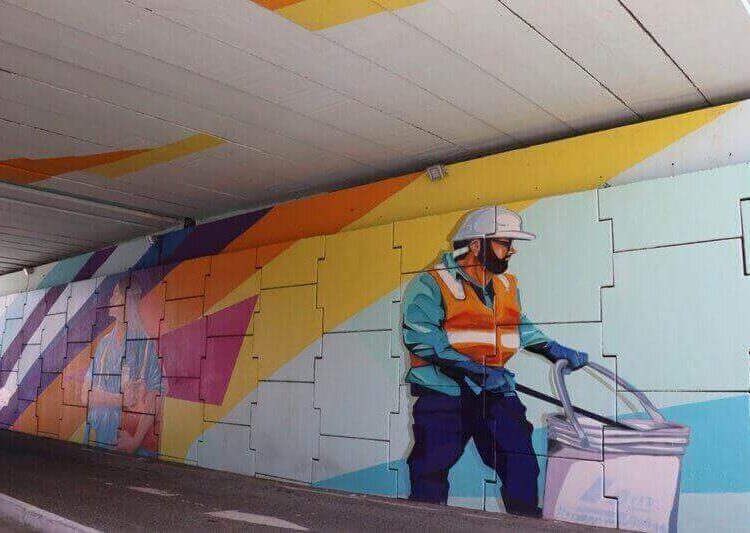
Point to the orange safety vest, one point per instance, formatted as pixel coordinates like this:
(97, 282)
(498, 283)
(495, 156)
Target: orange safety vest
(488, 336)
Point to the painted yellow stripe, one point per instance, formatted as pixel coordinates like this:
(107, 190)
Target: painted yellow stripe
(161, 154)
(565, 166)
(398, 4)
(560, 167)
(276, 4)
(244, 380)
(321, 14)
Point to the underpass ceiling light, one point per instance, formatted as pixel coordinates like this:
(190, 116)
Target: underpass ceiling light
(437, 172)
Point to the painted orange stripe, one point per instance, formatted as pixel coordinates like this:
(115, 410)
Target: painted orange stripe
(26, 421)
(320, 215)
(228, 271)
(276, 4)
(24, 171)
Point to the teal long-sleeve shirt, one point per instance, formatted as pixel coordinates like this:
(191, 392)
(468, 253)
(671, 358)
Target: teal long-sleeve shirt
(424, 336)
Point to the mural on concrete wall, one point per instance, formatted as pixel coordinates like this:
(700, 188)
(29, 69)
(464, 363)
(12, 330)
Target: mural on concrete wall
(328, 341)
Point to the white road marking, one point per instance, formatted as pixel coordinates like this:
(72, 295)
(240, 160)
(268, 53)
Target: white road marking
(350, 496)
(38, 519)
(155, 492)
(257, 519)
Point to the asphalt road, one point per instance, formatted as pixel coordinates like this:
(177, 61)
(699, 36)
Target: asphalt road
(8, 526)
(113, 492)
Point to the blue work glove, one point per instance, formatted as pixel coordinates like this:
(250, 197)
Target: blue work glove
(499, 380)
(575, 359)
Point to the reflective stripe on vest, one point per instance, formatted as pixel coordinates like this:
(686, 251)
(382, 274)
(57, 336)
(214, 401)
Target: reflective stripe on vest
(487, 336)
(474, 336)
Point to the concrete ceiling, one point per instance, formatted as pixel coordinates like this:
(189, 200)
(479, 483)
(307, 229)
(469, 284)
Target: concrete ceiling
(130, 114)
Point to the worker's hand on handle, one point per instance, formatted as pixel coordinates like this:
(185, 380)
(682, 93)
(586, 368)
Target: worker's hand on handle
(574, 358)
(498, 380)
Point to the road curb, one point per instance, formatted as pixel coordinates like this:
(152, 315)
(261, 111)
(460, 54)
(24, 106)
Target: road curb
(39, 519)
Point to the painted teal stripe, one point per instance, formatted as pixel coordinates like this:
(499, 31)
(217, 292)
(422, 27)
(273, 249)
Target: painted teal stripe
(64, 271)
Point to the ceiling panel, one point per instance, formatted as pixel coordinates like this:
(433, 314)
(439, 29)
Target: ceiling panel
(311, 140)
(603, 37)
(91, 227)
(708, 39)
(255, 87)
(265, 34)
(123, 193)
(400, 48)
(153, 110)
(480, 31)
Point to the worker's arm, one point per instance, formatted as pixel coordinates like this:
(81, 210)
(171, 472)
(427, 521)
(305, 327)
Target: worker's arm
(535, 341)
(86, 384)
(423, 336)
(150, 375)
(101, 397)
(130, 443)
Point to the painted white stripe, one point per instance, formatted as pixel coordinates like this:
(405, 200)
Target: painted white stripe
(9, 389)
(455, 286)
(155, 492)
(510, 340)
(474, 336)
(257, 519)
(38, 519)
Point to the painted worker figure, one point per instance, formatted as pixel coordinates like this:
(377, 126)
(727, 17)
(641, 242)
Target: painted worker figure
(462, 322)
(122, 379)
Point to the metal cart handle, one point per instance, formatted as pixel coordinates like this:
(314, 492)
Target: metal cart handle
(562, 393)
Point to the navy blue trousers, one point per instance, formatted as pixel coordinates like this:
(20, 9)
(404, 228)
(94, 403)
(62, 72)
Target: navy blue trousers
(443, 426)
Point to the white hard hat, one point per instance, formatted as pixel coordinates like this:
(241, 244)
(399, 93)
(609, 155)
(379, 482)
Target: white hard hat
(492, 222)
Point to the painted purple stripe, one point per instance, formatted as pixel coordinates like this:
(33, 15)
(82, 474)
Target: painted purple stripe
(50, 298)
(199, 241)
(211, 238)
(203, 240)
(94, 263)
(13, 353)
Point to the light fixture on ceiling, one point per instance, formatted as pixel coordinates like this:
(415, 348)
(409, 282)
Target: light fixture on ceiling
(28, 270)
(437, 172)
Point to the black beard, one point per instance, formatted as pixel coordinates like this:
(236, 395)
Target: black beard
(492, 262)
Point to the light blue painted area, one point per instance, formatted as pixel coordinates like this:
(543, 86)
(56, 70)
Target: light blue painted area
(375, 480)
(467, 475)
(130, 254)
(677, 317)
(356, 366)
(717, 460)
(63, 271)
(561, 272)
(127, 254)
(718, 457)
(699, 206)
(745, 213)
(226, 447)
(13, 283)
(15, 305)
(725, 512)
(373, 317)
